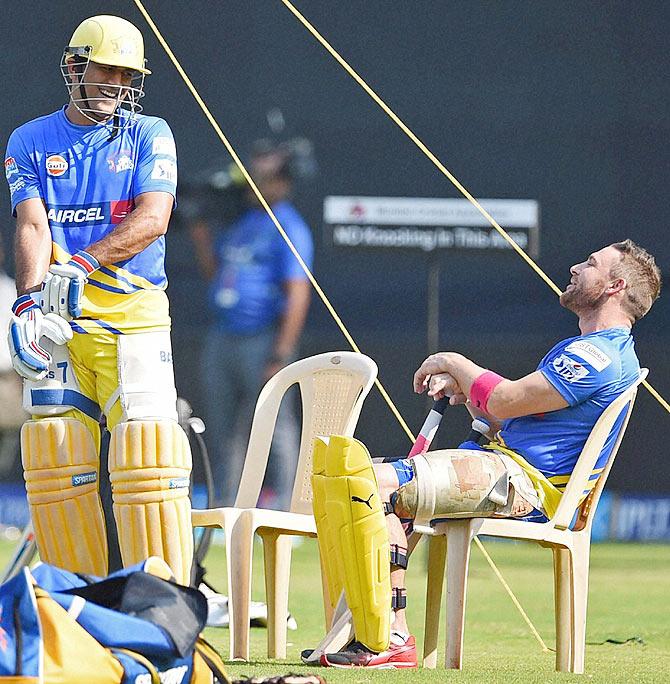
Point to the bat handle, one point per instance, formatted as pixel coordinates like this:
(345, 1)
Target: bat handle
(480, 429)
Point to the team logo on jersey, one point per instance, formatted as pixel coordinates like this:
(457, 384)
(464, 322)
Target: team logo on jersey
(10, 167)
(123, 163)
(56, 165)
(569, 369)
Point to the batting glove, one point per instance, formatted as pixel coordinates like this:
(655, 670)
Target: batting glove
(27, 327)
(64, 284)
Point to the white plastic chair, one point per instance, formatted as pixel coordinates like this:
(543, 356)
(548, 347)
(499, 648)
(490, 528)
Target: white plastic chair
(333, 387)
(570, 547)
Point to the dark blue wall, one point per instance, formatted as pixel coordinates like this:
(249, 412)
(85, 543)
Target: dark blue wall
(566, 103)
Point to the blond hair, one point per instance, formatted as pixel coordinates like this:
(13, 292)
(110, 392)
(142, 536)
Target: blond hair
(643, 278)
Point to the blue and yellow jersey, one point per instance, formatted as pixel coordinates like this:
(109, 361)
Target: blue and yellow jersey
(88, 181)
(590, 372)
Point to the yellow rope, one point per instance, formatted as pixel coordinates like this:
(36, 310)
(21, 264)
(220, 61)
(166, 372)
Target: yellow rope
(657, 396)
(412, 136)
(515, 601)
(267, 207)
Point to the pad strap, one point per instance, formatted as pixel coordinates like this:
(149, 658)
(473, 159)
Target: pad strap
(399, 598)
(398, 556)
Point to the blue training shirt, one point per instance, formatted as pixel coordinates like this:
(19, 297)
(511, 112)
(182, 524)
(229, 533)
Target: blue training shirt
(88, 181)
(589, 371)
(253, 262)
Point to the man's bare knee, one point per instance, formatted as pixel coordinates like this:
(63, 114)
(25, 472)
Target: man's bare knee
(387, 479)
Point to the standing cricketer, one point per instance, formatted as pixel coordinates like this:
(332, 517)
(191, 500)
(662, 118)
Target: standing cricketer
(92, 189)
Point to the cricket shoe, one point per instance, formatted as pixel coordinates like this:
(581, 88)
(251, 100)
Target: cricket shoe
(401, 654)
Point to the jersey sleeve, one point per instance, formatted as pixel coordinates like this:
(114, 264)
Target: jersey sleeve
(156, 169)
(580, 369)
(301, 237)
(20, 171)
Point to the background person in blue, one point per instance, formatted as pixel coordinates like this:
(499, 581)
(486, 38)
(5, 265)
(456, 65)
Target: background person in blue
(92, 188)
(259, 296)
(539, 423)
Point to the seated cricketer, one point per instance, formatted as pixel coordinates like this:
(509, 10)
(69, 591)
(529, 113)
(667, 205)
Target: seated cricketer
(540, 423)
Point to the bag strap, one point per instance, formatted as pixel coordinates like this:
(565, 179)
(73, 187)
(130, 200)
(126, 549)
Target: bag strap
(212, 659)
(145, 662)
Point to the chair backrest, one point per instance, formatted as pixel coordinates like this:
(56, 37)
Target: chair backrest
(333, 387)
(583, 469)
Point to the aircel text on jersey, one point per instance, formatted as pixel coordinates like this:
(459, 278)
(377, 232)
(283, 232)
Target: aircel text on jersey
(83, 215)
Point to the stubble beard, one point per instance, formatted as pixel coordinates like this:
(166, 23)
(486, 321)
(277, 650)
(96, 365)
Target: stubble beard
(581, 300)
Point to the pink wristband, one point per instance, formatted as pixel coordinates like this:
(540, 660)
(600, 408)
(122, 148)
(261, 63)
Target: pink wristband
(481, 389)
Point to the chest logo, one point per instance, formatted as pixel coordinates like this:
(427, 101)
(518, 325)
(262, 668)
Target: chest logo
(123, 163)
(56, 165)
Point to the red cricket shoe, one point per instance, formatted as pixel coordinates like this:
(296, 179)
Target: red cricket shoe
(400, 654)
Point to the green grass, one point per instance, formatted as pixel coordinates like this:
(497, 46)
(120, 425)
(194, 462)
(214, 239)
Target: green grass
(629, 597)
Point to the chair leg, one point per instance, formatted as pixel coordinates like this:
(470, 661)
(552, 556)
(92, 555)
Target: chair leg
(239, 591)
(459, 535)
(277, 561)
(228, 535)
(580, 591)
(437, 553)
(563, 607)
(229, 520)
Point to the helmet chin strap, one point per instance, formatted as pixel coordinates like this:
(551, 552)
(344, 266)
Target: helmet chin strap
(116, 127)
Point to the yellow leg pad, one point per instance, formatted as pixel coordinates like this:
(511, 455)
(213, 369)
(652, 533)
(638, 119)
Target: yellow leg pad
(150, 469)
(357, 524)
(326, 540)
(61, 468)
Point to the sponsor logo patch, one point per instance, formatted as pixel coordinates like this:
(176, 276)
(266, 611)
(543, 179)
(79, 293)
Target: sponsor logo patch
(16, 185)
(56, 165)
(590, 353)
(164, 145)
(10, 167)
(84, 478)
(164, 170)
(569, 369)
(178, 483)
(78, 214)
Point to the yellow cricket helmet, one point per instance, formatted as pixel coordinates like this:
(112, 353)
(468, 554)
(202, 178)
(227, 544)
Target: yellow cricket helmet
(109, 40)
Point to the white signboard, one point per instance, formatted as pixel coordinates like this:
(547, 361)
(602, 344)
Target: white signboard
(429, 224)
